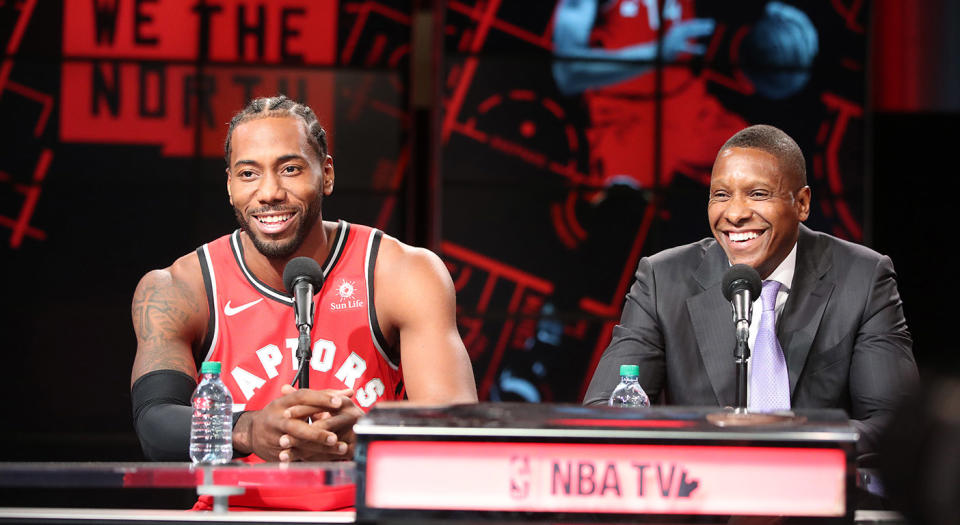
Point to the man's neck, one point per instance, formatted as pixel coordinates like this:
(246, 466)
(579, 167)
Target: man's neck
(269, 270)
(783, 273)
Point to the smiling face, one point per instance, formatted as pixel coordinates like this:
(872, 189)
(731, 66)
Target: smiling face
(276, 182)
(755, 209)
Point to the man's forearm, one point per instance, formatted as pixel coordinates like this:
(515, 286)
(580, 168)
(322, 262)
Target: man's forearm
(162, 416)
(162, 413)
(576, 69)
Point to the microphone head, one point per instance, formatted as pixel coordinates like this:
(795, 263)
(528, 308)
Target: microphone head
(300, 268)
(740, 277)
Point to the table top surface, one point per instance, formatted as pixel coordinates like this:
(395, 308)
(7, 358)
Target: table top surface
(530, 422)
(173, 475)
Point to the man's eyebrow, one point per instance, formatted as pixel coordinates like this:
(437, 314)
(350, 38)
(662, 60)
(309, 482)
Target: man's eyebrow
(291, 156)
(280, 160)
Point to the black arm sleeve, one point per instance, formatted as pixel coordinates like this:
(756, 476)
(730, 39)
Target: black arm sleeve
(162, 412)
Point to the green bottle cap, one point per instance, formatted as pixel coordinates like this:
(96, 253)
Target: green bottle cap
(630, 370)
(210, 367)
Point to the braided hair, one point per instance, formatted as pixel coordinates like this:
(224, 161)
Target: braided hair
(280, 106)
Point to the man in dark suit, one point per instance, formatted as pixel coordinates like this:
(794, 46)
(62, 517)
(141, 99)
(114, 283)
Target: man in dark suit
(838, 316)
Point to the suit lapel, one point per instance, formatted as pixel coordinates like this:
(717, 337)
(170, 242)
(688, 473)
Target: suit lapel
(712, 322)
(805, 305)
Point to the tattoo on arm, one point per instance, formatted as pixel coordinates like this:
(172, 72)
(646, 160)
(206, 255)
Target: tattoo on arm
(162, 311)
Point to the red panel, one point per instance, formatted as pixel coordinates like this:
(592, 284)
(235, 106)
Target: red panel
(170, 122)
(653, 479)
(169, 30)
(158, 103)
(111, 29)
(314, 31)
(897, 51)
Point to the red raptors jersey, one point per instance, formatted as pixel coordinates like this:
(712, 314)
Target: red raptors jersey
(623, 23)
(253, 335)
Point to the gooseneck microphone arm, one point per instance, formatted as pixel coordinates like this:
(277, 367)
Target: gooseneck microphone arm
(741, 353)
(742, 302)
(304, 355)
(303, 278)
(303, 312)
(741, 285)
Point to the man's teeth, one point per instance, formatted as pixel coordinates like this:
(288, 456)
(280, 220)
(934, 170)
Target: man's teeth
(743, 236)
(273, 219)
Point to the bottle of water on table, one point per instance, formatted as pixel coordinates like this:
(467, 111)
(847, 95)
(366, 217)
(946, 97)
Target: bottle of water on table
(211, 429)
(629, 393)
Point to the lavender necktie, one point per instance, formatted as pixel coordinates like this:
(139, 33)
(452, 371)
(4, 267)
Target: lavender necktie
(769, 383)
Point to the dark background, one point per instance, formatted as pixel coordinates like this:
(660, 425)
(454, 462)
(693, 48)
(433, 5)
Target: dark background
(105, 212)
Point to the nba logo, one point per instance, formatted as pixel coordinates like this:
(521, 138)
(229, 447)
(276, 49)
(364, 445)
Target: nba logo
(519, 477)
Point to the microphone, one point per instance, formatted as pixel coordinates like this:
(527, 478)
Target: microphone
(303, 278)
(741, 285)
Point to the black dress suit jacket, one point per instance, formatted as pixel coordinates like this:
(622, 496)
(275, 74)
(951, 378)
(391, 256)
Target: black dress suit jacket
(842, 331)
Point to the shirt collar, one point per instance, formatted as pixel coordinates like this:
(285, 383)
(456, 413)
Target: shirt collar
(784, 273)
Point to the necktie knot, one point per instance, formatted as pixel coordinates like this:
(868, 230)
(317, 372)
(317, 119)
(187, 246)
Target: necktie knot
(769, 294)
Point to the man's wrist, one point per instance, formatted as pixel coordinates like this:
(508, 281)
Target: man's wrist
(241, 433)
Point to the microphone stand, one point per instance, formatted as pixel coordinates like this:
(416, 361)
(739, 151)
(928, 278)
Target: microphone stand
(742, 303)
(741, 353)
(304, 355)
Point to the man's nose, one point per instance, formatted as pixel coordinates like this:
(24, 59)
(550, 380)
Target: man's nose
(738, 210)
(271, 188)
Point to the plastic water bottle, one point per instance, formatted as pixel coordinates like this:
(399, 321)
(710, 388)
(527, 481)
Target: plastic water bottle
(211, 429)
(629, 393)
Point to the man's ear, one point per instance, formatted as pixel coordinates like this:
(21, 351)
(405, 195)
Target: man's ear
(803, 202)
(328, 175)
(229, 195)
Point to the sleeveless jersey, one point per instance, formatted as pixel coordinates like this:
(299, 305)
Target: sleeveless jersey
(252, 334)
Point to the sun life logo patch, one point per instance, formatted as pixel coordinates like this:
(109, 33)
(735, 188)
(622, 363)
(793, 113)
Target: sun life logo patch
(346, 291)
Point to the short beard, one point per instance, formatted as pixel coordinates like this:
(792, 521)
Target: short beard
(282, 250)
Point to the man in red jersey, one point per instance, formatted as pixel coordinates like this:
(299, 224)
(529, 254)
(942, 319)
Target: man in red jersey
(225, 303)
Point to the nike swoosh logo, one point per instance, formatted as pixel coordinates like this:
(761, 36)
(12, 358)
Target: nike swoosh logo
(234, 311)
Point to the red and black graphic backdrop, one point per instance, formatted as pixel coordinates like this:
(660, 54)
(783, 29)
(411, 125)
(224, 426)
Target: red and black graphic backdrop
(551, 198)
(114, 115)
